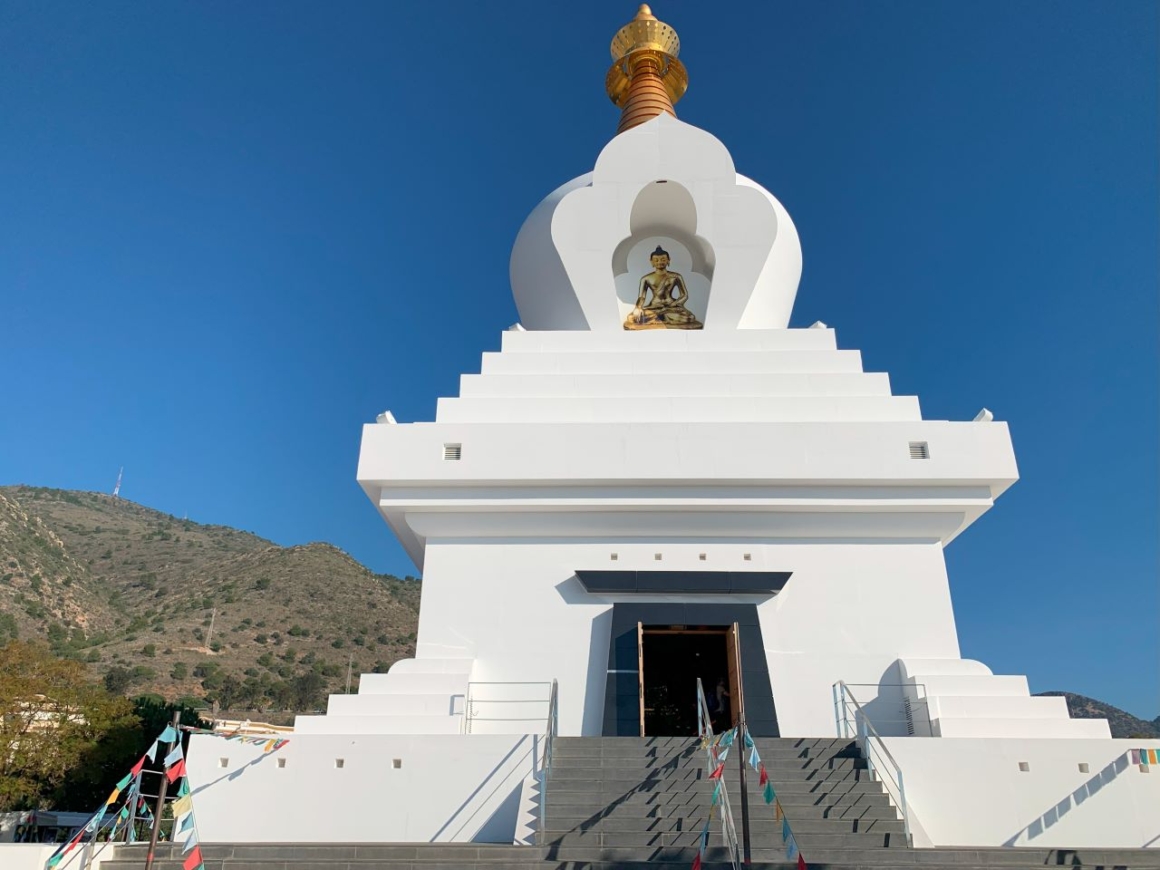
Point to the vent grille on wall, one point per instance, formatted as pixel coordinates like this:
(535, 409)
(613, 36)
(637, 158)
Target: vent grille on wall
(452, 451)
(919, 450)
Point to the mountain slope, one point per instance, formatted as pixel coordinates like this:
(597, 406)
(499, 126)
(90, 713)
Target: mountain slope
(1123, 724)
(136, 591)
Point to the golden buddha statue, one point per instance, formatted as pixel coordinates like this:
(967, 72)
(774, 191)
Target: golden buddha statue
(666, 309)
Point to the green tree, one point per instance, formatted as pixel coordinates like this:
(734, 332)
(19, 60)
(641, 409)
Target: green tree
(118, 679)
(51, 719)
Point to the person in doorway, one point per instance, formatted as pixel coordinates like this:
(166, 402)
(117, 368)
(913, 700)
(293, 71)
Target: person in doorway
(719, 707)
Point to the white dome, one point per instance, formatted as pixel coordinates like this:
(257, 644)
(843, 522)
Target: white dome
(577, 257)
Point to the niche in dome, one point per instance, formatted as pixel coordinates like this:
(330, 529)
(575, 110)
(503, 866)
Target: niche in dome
(663, 270)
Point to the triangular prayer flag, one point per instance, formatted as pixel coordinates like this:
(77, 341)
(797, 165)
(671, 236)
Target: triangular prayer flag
(716, 792)
(763, 775)
(697, 861)
(727, 737)
(748, 741)
(168, 735)
(722, 754)
(716, 774)
(54, 860)
(1155, 756)
(138, 767)
(182, 805)
(784, 830)
(791, 849)
(183, 789)
(124, 814)
(174, 755)
(152, 753)
(281, 743)
(269, 745)
(186, 823)
(190, 843)
(177, 771)
(192, 860)
(767, 792)
(128, 778)
(115, 794)
(801, 862)
(754, 761)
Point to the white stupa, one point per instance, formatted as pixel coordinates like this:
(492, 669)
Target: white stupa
(654, 473)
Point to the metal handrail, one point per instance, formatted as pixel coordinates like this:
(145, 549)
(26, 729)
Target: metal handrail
(705, 732)
(551, 728)
(865, 733)
(472, 701)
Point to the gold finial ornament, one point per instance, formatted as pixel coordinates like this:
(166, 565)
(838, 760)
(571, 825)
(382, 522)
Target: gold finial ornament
(646, 78)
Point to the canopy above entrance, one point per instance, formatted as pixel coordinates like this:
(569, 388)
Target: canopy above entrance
(684, 582)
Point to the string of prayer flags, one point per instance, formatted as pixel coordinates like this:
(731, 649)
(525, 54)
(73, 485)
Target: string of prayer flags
(1145, 756)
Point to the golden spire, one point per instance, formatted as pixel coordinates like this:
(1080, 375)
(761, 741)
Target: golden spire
(646, 78)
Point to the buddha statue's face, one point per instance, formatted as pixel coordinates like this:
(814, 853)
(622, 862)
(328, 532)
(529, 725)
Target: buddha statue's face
(660, 262)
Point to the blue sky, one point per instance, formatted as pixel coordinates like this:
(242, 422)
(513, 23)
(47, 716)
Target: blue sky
(232, 233)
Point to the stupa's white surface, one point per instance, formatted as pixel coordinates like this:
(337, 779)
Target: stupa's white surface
(742, 447)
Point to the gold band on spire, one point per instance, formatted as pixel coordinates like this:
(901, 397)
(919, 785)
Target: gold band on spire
(646, 78)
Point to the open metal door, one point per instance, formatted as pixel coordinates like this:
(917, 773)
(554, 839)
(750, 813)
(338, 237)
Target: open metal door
(736, 687)
(640, 671)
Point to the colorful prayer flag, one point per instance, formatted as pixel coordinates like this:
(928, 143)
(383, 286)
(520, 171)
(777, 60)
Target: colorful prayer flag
(801, 862)
(784, 830)
(116, 793)
(182, 805)
(168, 735)
(186, 823)
(138, 767)
(125, 780)
(192, 860)
(174, 756)
(716, 792)
(791, 848)
(754, 760)
(697, 861)
(280, 744)
(183, 789)
(716, 774)
(767, 793)
(764, 775)
(269, 745)
(190, 843)
(748, 741)
(176, 772)
(152, 753)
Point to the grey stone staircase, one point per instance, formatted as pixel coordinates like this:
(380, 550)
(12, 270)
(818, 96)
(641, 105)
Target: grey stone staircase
(623, 803)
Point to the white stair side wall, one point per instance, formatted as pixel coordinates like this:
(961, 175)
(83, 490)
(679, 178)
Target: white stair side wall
(370, 725)
(996, 707)
(1034, 728)
(412, 684)
(395, 705)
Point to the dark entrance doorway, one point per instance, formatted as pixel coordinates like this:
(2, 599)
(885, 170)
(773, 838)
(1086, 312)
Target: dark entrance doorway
(672, 658)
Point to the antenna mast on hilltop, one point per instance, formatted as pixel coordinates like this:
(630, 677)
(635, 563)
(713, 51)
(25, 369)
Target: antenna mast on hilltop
(117, 488)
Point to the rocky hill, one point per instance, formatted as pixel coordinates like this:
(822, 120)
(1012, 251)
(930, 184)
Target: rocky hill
(1122, 724)
(158, 604)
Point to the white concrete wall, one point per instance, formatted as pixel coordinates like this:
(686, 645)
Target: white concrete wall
(31, 856)
(848, 612)
(971, 792)
(452, 788)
